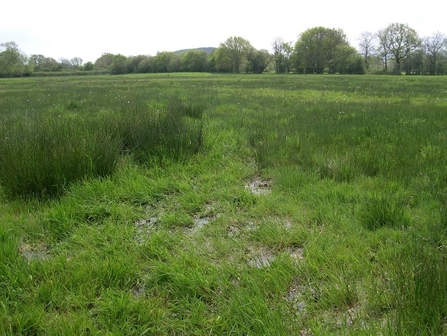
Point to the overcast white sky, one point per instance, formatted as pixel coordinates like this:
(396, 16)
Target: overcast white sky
(89, 28)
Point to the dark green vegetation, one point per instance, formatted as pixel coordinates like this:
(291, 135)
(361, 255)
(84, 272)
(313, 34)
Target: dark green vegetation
(223, 204)
(395, 49)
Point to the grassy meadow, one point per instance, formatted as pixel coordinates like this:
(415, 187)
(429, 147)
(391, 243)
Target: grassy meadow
(202, 204)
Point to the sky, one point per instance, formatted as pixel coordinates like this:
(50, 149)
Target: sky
(89, 28)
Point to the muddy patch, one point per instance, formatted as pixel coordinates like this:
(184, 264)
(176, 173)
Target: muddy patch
(199, 224)
(32, 252)
(260, 257)
(236, 230)
(139, 291)
(259, 186)
(200, 221)
(296, 253)
(144, 228)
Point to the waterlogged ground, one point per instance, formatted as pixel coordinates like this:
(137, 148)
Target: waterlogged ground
(315, 206)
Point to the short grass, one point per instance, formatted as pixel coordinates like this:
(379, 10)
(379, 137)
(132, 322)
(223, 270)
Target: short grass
(228, 205)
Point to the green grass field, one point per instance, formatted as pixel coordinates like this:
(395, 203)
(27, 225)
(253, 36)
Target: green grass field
(207, 204)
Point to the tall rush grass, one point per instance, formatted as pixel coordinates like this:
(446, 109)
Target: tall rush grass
(41, 155)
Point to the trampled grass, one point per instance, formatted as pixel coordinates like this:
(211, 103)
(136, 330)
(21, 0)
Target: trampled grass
(223, 204)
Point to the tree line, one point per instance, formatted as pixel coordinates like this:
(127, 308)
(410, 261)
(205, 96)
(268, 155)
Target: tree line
(396, 48)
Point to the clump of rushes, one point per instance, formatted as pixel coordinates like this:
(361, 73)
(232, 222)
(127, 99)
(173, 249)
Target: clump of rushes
(173, 132)
(419, 285)
(42, 155)
(383, 211)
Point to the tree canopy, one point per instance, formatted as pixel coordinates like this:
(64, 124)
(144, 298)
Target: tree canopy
(12, 60)
(233, 53)
(317, 50)
(398, 40)
(320, 50)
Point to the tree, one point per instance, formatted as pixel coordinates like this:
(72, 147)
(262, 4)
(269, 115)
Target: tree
(132, 63)
(118, 66)
(398, 40)
(166, 61)
(257, 61)
(76, 62)
(65, 63)
(194, 60)
(12, 60)
(384, 47)
(366, 46)
(281, 55)
(36, 61)
(50, 64)
(175, 63)
(88, 66)
(316, 48)
(414, 63)
(221, 60)
(145, 65)
(233, 53)
(432, 47)
(211, 61)
(347, 60)
(42, 63)
(441, 63)
(104, 61)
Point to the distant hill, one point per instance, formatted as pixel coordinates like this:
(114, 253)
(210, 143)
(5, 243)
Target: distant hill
(205, 49)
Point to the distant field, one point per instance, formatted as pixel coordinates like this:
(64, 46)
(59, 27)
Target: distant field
(203, 204)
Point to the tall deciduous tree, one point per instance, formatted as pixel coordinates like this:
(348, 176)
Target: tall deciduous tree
(12, 60)
(384, 47)
(88, 66)
(42, 63)
(367, 47)
(347, 60)
(398, 40)
(36, 61)
(132, 63)
(432, 46)
(50, 64)
(166, 61)
(235, 51)
(104, 61)
(318, 50)
(118, 65)
(257, 61)
(76, 62)
(282, 52)
(194, 60)
(66, 64)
